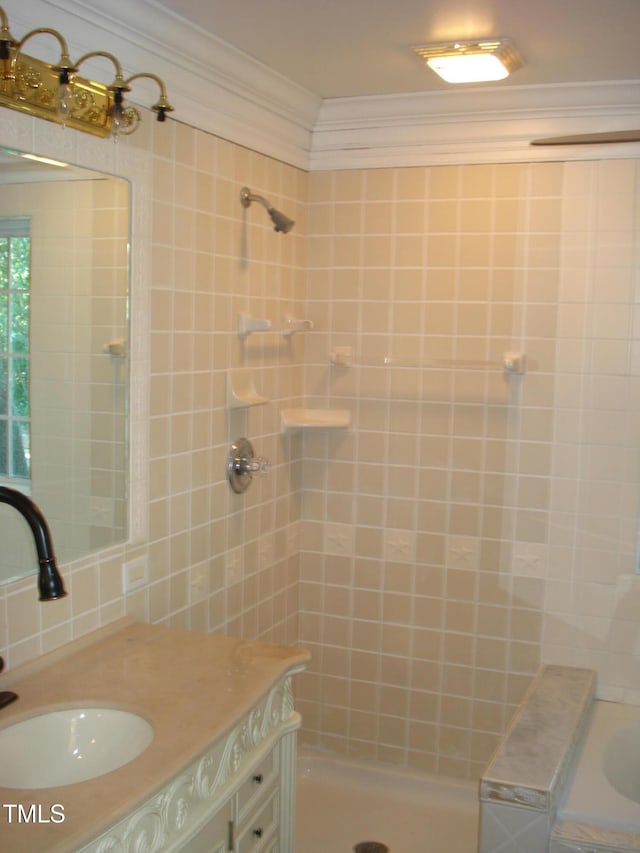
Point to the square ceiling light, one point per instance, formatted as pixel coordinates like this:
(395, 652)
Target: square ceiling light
(473, 61)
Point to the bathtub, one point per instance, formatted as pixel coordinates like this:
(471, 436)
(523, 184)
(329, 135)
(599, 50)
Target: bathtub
(603, 786)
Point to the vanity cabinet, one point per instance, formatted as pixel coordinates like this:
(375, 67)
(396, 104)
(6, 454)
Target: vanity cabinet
(218, 775)
(257, 822)
(258, 816)
(236, 798)
(214, 835)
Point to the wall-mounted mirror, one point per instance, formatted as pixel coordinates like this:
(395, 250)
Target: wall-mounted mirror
(64, 366)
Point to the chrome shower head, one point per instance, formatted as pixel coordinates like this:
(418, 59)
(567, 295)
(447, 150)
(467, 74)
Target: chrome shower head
(281, 222)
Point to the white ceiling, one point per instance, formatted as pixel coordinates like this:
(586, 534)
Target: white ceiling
(338, 48)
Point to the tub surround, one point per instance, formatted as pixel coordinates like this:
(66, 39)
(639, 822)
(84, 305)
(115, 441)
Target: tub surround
(593, 815)
(538, 744)
(520, 788)
(210, 699)
(573, 837)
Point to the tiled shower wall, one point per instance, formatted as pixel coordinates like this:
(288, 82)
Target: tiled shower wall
(470, 525)
(466, 527)
(217, 561)
(212, 261)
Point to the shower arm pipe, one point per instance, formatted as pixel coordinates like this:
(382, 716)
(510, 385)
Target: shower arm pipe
(248, 197)
(280, 220)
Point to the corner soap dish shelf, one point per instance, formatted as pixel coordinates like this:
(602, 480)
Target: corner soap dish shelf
(241, 389)
(314, 419)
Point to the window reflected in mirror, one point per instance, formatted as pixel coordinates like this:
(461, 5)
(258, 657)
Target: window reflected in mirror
(64, 277)
(15, 318)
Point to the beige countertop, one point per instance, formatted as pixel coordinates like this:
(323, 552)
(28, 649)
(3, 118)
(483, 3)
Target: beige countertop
(191, 686)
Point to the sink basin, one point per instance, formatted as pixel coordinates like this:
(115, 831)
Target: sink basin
(73, 745)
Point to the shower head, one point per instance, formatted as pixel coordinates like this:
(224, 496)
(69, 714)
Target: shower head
(281, 222)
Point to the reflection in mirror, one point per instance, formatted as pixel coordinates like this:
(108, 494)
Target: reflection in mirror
(64, 274)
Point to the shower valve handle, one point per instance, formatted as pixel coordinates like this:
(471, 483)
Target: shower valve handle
(243, 466)
(258, 465)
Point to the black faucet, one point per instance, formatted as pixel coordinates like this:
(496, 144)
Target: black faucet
(6, 696)
(50, 583)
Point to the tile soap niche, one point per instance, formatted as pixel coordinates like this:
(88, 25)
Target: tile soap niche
(241, 389)
(314, 419)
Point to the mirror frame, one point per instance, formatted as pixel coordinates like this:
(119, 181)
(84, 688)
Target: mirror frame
(131, 160)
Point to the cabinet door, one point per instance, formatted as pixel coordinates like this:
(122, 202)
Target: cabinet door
(263, 779)
(214, 835)
(260, 829)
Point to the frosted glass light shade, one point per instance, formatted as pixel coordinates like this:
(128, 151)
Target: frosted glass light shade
(471, 61)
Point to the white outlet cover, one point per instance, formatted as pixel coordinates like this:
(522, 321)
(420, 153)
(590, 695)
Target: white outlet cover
(135, 574)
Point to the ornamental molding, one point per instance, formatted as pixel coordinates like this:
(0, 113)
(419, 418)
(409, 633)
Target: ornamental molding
(574, 836)
(249, 104)
(183, 805)
(514, 795)
(480, 126)
(212, 85)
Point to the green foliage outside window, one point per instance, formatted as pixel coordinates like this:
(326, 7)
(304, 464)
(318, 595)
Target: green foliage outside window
(15, 264)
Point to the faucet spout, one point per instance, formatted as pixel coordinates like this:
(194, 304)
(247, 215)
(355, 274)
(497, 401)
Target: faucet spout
(50, 583)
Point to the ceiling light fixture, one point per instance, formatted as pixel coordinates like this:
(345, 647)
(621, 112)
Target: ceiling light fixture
(474, 61)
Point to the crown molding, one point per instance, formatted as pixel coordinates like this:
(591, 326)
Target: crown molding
(223, 91)
(480, 125)
(212, 85)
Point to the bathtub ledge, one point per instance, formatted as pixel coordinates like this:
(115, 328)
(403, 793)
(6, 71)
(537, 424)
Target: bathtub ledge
(574, 837)
(532, 759)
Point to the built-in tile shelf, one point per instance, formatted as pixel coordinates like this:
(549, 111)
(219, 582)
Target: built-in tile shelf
(248, 325)
(241, 389)
(291, 419)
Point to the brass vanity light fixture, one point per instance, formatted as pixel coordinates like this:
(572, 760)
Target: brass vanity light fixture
(58, 93)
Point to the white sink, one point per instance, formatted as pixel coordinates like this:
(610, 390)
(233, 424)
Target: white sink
(73, 745)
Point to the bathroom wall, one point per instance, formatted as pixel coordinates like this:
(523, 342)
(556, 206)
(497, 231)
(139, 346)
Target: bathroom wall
(466, 527)
(469, 526)
(217, 561)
